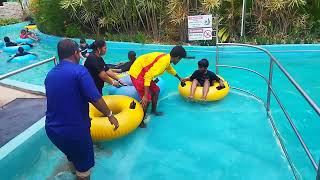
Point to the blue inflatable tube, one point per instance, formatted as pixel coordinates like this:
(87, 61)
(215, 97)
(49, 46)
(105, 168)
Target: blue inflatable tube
(14, 49)
(130, 90)
(28, 57)
(27, 40)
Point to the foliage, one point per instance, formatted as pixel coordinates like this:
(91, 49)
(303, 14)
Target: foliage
(267, 21)
(4, 22)
(48, 15)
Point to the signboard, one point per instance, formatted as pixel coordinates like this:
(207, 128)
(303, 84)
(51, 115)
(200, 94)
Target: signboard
(203, 21)
(200, 27)
(200, 34)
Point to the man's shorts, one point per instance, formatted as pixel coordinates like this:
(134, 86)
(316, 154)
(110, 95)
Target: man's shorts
(139, 85)
(78, 150)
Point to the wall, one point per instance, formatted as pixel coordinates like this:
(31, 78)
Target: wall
(11, 10)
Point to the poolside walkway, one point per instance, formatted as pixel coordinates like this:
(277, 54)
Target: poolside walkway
(7, 95)
(18, 111)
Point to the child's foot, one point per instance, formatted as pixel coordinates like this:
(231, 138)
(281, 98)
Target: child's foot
(156, 113)
(190, 97)
(203, 99)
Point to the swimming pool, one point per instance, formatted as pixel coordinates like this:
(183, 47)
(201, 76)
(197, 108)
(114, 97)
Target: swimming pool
(234, 140)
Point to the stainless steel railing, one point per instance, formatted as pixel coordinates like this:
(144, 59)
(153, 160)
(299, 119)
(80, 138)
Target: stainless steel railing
(274, 61)
(9, 74)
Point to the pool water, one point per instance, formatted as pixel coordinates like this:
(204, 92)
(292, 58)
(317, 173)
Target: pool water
(228, 139)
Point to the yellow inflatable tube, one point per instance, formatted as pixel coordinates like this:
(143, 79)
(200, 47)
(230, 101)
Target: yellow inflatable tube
(30, 27)
(129, 119)
(213, 95)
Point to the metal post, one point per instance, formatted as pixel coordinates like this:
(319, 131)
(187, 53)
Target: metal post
(243, 16)
(318, 172)
(55, 61)
(217, 44)
(269, 84)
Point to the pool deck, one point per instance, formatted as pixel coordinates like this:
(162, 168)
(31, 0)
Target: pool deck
(8, 94)
(19, 111)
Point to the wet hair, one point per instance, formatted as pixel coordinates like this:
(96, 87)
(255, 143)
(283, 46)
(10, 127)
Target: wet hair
(82, 41)
(178, 51)
(6, 39)
(203, 63)
(20, 50)
(131, 53)
(66, 48)
(98, 44)
(23, 31)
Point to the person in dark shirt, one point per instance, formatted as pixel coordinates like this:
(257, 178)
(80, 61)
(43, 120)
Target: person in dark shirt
(124, 67)
(21, 52)
(69, 89)
(98, 69)
(84, 48)
(8, 43)
(204, 78)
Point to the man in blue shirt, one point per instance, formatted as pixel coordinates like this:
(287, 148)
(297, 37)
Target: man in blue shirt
(69, 89)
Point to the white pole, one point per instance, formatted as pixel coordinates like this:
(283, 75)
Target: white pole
(242, 18)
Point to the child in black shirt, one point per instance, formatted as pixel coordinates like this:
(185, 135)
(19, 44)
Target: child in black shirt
(204, 78)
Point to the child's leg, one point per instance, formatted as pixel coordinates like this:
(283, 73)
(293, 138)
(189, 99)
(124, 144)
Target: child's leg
(193, 88)
(206, 87)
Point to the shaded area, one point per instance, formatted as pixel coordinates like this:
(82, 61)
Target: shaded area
(18, 115)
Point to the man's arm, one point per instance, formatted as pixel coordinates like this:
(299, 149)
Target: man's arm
(144, 100)
(11, 59)
(177, 76)
(101, 105)
(90, 92)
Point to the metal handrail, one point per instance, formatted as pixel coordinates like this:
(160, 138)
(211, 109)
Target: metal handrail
(291, 79)
(270, 90)
(9, 74)
(269, 114)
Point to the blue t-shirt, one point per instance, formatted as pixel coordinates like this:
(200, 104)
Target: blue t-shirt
(69, 88)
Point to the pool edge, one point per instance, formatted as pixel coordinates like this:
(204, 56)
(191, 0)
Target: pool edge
(30, 131)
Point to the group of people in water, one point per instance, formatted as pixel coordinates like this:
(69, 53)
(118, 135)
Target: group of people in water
(25, 34)
(71, 86)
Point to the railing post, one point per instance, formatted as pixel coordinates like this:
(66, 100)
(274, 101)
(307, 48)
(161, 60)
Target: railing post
(318, 173)
(55, 61)
(217, 44)
(269, 84)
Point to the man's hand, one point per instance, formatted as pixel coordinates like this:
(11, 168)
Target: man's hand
(144, 101)
(114, 122)
(116, 84)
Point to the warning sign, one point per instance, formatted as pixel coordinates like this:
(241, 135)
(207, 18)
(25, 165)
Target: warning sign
(203, 21)
(200, 27)
(200, 34)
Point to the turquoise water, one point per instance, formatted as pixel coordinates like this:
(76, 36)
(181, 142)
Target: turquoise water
(224, 140)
